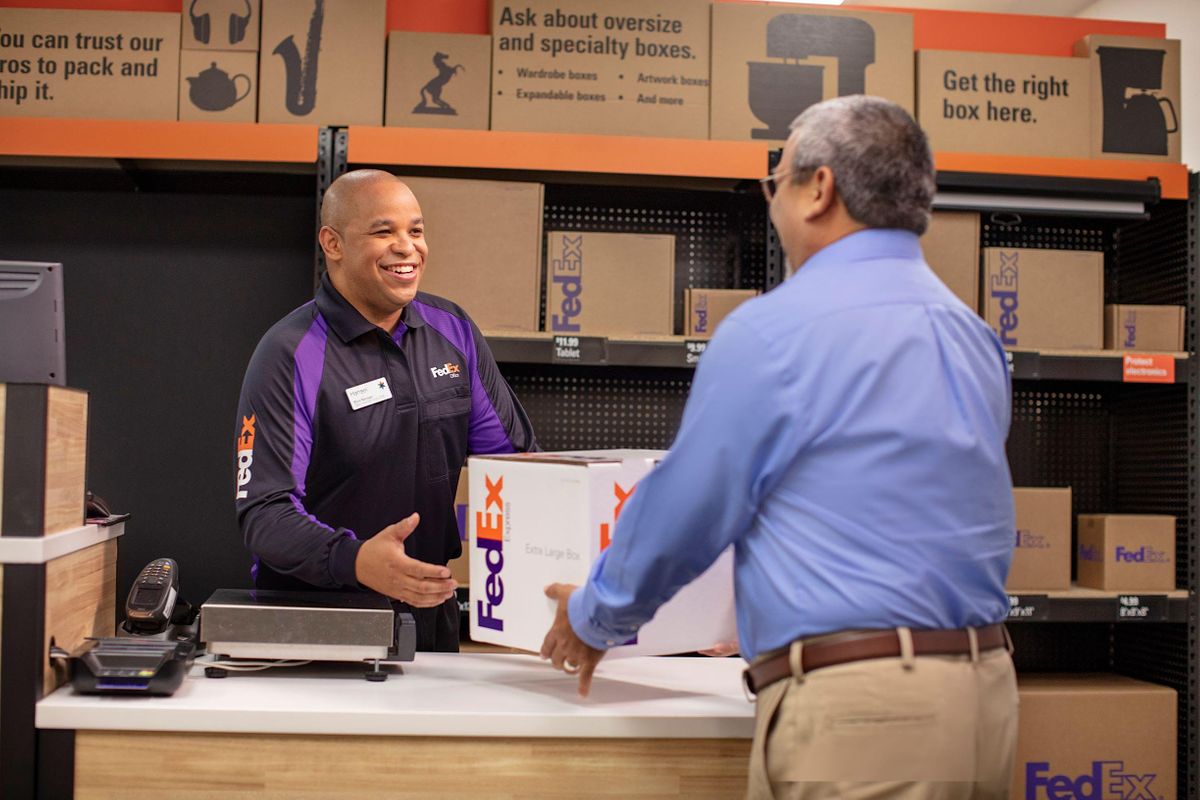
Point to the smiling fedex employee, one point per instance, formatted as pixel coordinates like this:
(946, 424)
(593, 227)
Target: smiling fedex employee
(357, 411)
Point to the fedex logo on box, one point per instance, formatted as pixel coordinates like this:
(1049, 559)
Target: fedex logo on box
(1031, 541)
(1004, 291)
(1142, 555)
(1130, 326)
(700, 310)
(1108, 780)
(566, 272)
(489, 537)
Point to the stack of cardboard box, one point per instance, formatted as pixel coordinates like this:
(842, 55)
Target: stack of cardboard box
(218, 61)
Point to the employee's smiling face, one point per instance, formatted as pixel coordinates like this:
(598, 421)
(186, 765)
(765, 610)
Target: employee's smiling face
(375, 247)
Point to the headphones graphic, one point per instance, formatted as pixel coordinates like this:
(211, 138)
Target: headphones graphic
(202, 24)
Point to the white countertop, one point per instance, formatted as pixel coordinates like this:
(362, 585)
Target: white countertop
(439, 694)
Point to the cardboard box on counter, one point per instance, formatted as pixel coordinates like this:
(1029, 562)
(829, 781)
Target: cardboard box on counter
(217, 25)
(1094, 736)
(1003, 104)
(1137, 103)
(218, 86)
(1130, 327)
(322, 62)
(485, 248)
(1042, 557)
(1045, 298)
(705, 308)
(1126, 552)
(609, 284)
(772, 61)
(543, 518)
(460, 568)
(438, 80)
(951, 247)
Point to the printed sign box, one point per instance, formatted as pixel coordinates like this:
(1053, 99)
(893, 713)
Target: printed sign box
(1129, 327)
(951, 247)
(609, 284)
(543, 518)
(618, 67)
(438, 80)
(218, 86)
(1137, 105)
(1045, 298)
(1126, 552)
(89, 64)
(705, 308)
(322, 62)
(220, 25)
(485, 248)
(971, 102)
(1042, 555)
(772, 60)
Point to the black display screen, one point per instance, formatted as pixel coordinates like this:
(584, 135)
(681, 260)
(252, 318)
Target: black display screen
(146, 597)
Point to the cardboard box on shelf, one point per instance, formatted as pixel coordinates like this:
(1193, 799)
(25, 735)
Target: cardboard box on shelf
(1126, 552)
(1094, 736)
(485, 248)
(438, 80)
(543, 518)
(772, 61)
(220, 25)
(999, 103)
(609, 284)
(705, 308)
(1130, 327)
(218, 85)
(1045, 298)
(615, 67)
(1137, 106)
(1042, 556)
(951, 247)
(322, 62)
(89, 64)
(460, 568)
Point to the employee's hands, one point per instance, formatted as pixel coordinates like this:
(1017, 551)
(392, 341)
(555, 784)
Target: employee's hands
(722, 649)
(382, 565)
(565, 650)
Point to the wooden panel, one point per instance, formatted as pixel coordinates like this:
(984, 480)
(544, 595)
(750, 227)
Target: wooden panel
(113, 764)
(81, 592)
(66, 458)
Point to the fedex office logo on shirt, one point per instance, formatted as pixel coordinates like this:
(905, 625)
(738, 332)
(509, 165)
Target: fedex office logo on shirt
(566, 272)
(1143, 555)
(245, 455)
(701, 309)
(1108, 780)
(1130, 326)
(1004, 291)
(447, 369)
(489, 537)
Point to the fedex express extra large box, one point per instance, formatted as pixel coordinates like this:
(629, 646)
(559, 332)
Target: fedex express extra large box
(542, 518)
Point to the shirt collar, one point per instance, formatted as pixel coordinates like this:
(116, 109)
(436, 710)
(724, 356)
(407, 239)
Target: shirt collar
(345, 320)
(871, 244)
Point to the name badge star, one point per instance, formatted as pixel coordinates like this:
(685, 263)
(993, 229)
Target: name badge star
(368, 394)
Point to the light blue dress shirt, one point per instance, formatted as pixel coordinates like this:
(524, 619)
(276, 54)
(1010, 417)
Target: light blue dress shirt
(846, 433)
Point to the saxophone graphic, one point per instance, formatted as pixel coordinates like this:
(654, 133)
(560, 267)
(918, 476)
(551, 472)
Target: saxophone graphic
(301, 92)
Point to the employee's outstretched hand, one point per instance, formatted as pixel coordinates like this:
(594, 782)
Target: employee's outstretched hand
(566, 650)
(383, 565)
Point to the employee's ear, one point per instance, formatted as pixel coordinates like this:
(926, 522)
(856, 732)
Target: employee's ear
(331, 243)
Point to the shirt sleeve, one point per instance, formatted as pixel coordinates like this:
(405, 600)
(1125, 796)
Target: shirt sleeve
(498, 423)
(273, 446)
(728, 455)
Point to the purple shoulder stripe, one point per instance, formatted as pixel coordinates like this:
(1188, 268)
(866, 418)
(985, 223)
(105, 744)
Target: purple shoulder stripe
(309, 364)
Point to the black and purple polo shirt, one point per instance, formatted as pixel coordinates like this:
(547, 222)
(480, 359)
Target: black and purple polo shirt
(344, 429)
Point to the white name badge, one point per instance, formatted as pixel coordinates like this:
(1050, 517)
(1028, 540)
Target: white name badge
(369, 393)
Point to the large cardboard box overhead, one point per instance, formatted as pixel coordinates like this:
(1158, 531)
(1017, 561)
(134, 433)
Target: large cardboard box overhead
(543, 518)
(1042, 556)
(951, 247)
(220, 24)
(1101, 737)
(89, 64)
(485, 248)
(970, 102)
(771, 61)
(610, 284)
(322, 62)
(1126, 552)
(1045, 298)
(620, 67)
(438, 80)
(1128, 327)
(705, 308)
(1137, 103)
(218, 85)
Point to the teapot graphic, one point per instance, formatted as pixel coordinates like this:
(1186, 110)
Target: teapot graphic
(214, 90)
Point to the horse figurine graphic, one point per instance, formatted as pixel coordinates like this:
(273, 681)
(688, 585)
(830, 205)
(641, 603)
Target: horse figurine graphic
(432, 91)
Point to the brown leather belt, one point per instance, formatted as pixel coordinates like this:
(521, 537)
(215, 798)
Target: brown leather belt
(843, 648)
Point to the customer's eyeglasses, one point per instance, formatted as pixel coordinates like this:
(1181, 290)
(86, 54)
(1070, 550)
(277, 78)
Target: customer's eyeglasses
(770, 183)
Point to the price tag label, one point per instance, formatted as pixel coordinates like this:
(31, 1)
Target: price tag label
(1142, 607)
(578, 350)
(1024, 364)
(692, 350)
(1028, 607)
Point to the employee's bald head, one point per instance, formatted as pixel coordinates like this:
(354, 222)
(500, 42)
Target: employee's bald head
(341, 201)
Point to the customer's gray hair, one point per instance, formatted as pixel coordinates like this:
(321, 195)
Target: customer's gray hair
(880, 159)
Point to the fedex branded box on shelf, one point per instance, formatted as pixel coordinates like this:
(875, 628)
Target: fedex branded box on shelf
(1045, 298)
(542, 518)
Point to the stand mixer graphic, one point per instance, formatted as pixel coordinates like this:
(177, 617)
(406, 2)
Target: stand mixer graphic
(780, 90)
(1134, 124)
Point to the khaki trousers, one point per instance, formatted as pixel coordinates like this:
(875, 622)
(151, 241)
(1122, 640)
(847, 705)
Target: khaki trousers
(908, 728)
